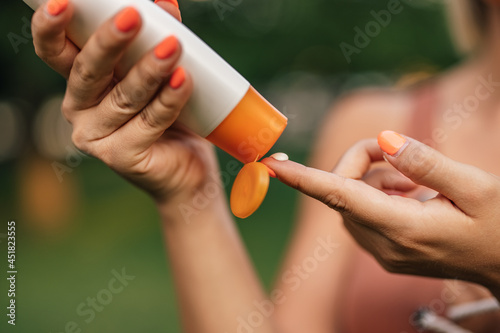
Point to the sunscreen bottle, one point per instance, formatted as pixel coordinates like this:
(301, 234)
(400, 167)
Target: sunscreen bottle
(224, 108)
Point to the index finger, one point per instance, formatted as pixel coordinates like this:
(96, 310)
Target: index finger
(352, 198)
(49, 37)
(170, 6)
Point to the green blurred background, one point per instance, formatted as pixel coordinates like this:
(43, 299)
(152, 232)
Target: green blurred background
(72, 233)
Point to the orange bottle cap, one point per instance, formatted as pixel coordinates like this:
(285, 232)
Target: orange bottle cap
(251, 129)
(249, 189)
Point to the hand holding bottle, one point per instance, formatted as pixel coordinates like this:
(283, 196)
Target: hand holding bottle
(453, 235)
(129, 122)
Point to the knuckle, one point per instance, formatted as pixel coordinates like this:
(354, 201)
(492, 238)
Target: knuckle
(121, 101)
(43, 53)
(170, 109)
(40, 52)
(150, 75)
(103, 151)
(80, 140)
(150, 120)
(141, 169)
(67, 109)
(116, 160)
(50, 54)
(335, 199)
(170, 105)
(85, 74)
(297, 181)
(104, 44)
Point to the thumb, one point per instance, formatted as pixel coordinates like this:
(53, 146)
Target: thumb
(426, 166)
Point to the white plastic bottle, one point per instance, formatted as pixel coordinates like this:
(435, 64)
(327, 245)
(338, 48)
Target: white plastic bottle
(223, 108)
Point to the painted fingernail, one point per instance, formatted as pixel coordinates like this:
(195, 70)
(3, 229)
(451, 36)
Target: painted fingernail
(166, 48)
(178, 78)
(280, 157)
(391, 142)
(271, 172)
(56, 7)
(173, 2)
(127, 19)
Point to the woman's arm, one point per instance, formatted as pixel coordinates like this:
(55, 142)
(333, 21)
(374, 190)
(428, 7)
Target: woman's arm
(217, 287)
(129, 124)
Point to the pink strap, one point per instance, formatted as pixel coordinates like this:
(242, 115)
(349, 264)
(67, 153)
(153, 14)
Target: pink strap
(421, 123)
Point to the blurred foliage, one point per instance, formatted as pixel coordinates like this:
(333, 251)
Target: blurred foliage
(114, 225)
(265, 38)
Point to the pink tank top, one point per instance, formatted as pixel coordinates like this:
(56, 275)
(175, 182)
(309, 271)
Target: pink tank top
(421, 123)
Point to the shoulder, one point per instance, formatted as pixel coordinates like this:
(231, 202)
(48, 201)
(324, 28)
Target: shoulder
(369, 110)
(360, 115)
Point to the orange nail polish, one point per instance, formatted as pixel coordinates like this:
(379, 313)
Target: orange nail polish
(127, 19)
(173, 2)
(271, 172)
(56, 7)
(166, 48)
(391, 142)
(178, 78)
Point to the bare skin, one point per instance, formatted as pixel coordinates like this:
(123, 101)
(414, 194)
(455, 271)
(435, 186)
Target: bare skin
(215, 281)
(363, 289)
(352, 285)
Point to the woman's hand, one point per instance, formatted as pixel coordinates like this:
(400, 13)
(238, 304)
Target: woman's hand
(126, 119)
(455, 234)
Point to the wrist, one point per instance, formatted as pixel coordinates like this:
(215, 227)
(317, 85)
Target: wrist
(198, 204)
